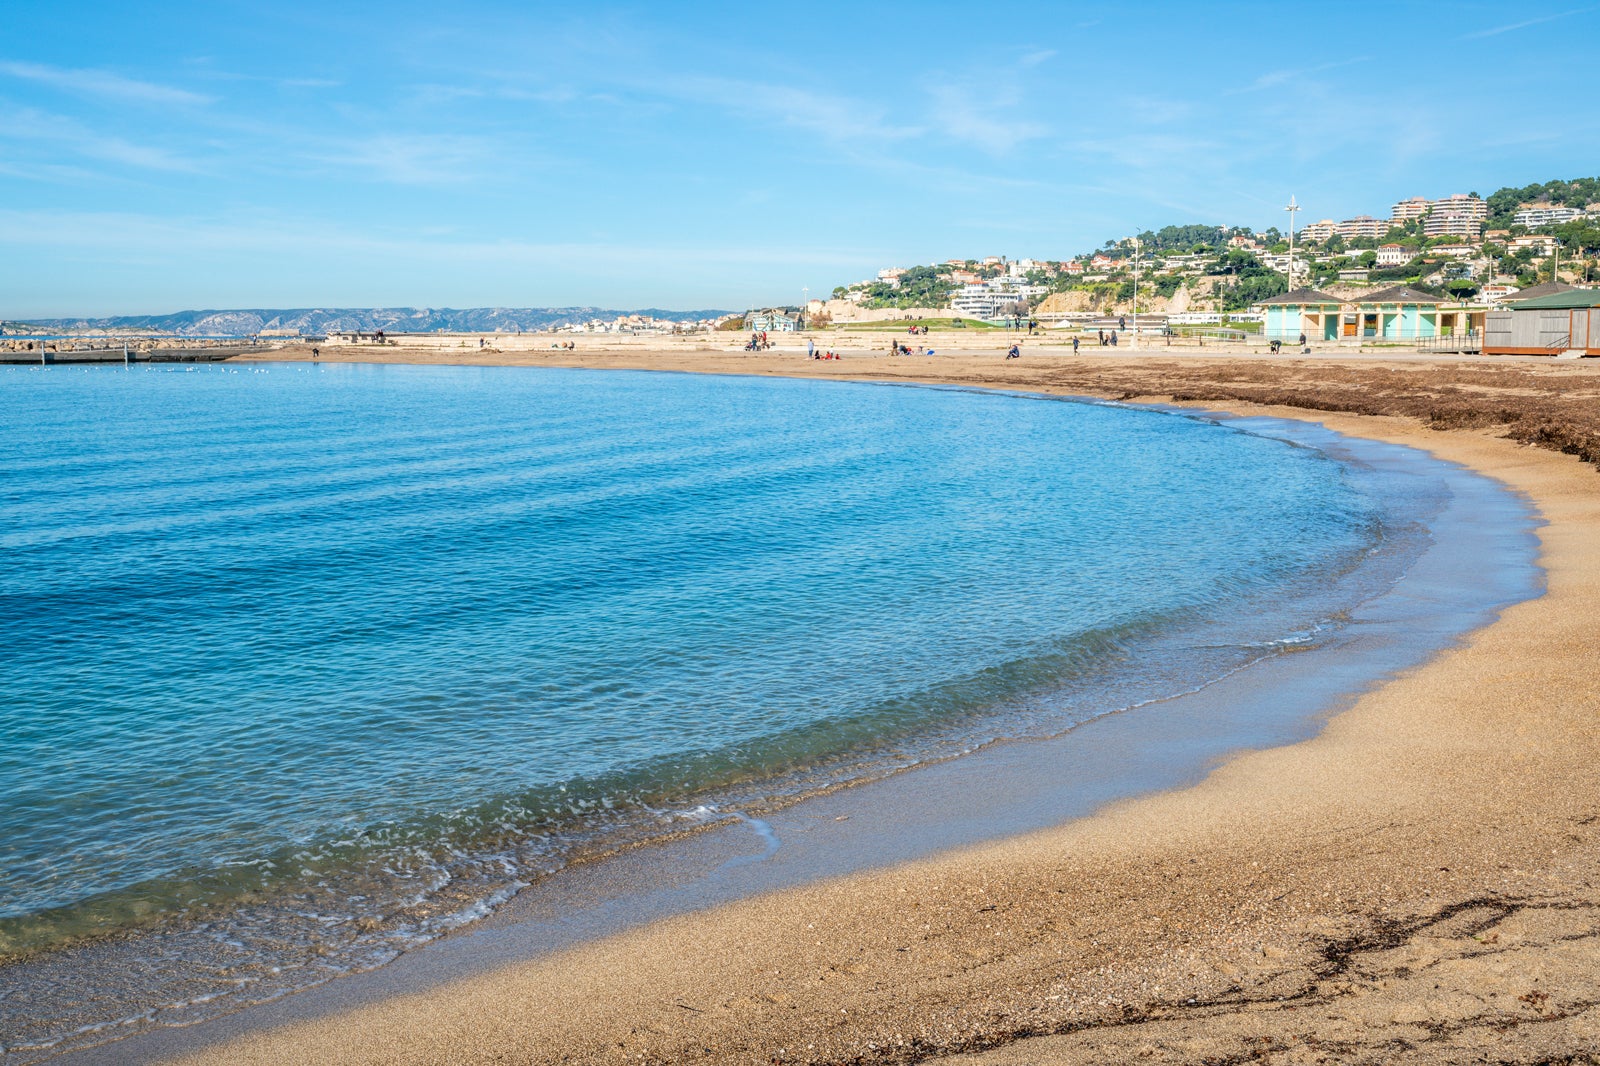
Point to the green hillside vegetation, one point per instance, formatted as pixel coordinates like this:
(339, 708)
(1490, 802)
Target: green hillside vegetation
(920, 286)
(1504, 203)
(1245, 280)
(1195, 238)
(900, 325)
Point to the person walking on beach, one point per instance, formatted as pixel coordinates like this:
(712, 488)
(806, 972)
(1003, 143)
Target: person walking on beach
(811, 348)
(1074, 346)
(1102, 334)
(1113, 338)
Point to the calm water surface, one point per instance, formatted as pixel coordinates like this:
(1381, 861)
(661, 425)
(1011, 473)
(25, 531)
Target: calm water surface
(311, 662)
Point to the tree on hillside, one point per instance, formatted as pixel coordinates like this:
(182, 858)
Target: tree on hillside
(1191, 238)
(1577, 192)
(920, 286)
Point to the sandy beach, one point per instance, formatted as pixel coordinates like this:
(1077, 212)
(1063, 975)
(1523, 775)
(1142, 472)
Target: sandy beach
(1418, 883)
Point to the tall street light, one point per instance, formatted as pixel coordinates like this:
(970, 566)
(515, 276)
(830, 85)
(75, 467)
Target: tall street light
(1292, 208)
(1135, 293)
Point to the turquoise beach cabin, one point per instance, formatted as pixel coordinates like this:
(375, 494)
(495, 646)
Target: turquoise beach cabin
(1316, 314)
(1400, 313)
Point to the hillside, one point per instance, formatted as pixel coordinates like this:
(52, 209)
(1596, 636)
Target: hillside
(244, 322)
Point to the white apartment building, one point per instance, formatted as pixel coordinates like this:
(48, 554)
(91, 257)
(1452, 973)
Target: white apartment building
(1318, 231)
(1437, 225)
(1545, 216)
(1460, 204)
(1361, 226)
(1406, 210)
(1538, 243)
(1394, 255)
(993, 299)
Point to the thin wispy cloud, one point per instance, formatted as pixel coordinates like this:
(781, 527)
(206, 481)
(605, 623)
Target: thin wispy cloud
(101, 83)
(1275, 78)
(833, 117)
(43, 128)
(1495, 31)
(981, 116)
(412, 159)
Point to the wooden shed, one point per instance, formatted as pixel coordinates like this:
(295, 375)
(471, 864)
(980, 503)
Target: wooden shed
(1561, 323)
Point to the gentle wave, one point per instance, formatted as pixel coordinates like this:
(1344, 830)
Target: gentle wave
(321, 662)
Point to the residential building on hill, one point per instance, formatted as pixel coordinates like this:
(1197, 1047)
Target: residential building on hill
(1406, 210)
(1545, 215)
(1461, 203)
(1316, 231)
(1538, 243)
(993, 299)
(1361, 226)
(1394, 255)
(1453, 226)
(1460, 215)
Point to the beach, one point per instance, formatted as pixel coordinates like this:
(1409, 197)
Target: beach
(1416, 883)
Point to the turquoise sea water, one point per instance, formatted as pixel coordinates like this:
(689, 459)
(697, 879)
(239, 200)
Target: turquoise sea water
(308, 663)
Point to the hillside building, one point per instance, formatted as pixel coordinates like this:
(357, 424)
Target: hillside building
(1315, 231)
(1463, 204)
(993, 299)
(1453, 226)
(1537, 243)
(1361, 226)
(1533, 215)
(1406, 210)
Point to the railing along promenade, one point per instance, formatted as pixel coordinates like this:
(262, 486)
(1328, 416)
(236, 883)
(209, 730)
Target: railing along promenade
(50, 349)
(1467, 343)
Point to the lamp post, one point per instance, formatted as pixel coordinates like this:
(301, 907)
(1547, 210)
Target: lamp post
(805, 305)
(1135, 293)
(1292, 208)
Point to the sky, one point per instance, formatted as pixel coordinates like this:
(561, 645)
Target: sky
(223, 154)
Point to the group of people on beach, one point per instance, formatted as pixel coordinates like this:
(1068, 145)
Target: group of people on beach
(896, 348)
(759, 343)
(567, 347)
(1107, 340)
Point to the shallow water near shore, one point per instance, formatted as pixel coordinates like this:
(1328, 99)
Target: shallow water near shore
(331, 660)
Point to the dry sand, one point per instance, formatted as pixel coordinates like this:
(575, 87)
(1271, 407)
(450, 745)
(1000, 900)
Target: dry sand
(1419, 883)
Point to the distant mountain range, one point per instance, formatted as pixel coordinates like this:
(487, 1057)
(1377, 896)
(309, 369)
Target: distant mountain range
(246, 322)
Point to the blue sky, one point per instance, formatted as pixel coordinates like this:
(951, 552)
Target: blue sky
(225, 154)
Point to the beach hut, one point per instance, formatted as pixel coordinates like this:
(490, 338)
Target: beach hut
(1316, 314)
(1400, 313)
(1558, 323)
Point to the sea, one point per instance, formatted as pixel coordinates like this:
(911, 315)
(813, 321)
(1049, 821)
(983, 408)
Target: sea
(307, 665)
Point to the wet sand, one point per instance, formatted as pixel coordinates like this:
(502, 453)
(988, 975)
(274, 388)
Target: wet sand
(1416, 883)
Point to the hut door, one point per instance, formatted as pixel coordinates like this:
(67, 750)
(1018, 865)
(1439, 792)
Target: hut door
(1580, 330)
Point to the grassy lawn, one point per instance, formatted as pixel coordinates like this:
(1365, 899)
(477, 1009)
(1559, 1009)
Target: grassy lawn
(900, 325)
